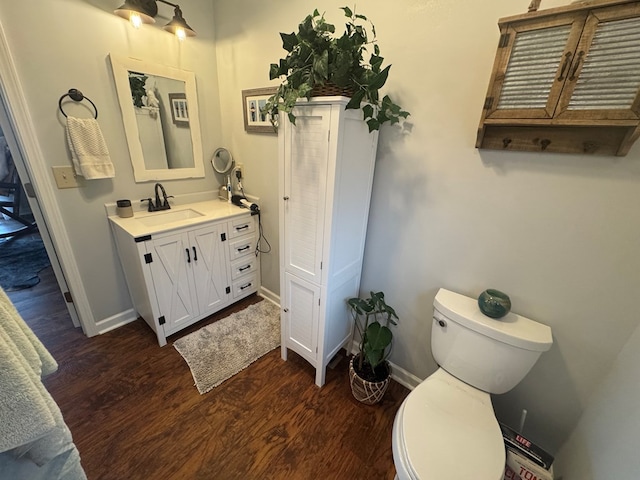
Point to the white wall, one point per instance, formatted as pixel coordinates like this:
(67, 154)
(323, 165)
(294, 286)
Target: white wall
(63, 44)
(558, 233)
(605, 443)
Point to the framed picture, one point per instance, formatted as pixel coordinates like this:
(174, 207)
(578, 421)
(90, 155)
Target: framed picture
(179, 108)
(252, 103)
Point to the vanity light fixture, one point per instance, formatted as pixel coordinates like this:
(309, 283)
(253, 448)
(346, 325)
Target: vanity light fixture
(143, 11)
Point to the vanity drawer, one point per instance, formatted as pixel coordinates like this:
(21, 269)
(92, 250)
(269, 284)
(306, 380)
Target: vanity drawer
(242, 246)
(245, 286)
(244, 266)
(241, 226)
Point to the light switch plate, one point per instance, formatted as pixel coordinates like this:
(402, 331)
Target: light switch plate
(65, 177)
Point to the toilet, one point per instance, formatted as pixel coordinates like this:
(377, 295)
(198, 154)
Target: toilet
(446, 427)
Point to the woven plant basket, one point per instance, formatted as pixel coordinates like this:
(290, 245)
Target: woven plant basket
(331, 90)
(366, 392)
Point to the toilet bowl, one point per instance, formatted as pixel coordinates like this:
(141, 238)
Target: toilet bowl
(446, 428)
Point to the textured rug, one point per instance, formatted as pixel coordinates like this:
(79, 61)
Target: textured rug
(21, 258)
(220, 350)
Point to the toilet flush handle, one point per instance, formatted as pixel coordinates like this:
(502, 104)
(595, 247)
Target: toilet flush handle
(442, 323)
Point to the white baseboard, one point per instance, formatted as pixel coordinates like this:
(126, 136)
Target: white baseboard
(404, 377)
(399, 374)
(115, 321)
(269, 295)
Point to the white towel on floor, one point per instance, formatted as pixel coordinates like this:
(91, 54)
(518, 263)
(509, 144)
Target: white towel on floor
(88, 149)
(28, 413)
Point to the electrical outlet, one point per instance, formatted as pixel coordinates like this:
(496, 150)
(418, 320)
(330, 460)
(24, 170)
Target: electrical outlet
(240, 168)
(65, 177)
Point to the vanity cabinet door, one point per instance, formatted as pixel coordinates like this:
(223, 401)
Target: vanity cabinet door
(190, 274)
(173, 279)
(210, 267)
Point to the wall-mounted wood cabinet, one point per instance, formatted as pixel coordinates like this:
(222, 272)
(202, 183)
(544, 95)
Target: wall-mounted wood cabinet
(566, 80)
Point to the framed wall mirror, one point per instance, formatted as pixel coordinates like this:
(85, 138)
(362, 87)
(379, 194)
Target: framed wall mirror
(159, 106)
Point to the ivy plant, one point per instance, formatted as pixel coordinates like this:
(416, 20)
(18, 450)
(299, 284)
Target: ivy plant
(317, 56)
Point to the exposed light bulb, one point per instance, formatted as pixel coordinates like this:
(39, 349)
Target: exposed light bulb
(135, 19)
(180, 33)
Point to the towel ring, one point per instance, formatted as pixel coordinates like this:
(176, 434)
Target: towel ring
(77, 96)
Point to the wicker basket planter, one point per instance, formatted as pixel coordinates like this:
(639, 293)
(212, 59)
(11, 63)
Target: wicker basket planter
(366, 392)
(331, 90)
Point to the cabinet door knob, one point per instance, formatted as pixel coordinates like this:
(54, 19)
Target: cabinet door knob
(286, 310)
(544, 143)
(285, 198)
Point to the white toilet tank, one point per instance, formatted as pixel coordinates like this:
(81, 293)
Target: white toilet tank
(493, 355)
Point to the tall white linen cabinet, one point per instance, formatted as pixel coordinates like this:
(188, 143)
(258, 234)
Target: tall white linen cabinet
(326, 164)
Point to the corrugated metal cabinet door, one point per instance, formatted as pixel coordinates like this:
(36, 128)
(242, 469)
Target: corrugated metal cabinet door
(604, 78)
(532, 67)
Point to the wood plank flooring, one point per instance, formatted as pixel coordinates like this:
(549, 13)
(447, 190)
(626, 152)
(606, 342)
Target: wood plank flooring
(135, 413)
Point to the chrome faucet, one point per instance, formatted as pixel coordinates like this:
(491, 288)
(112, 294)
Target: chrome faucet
(160, 204)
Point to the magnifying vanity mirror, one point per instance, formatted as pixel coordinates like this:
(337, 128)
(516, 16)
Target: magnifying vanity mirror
(159, 106)
(222, 160)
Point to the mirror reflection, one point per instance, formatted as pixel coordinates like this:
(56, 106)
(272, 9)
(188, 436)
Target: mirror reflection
(162, 116)
(159, 111)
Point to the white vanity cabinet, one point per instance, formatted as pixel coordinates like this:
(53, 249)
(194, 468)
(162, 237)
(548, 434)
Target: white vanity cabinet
(326, 161)
(179, 276)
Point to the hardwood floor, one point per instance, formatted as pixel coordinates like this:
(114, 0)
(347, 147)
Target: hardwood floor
(135, 413)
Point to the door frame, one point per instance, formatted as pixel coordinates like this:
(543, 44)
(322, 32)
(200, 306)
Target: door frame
(15, 120)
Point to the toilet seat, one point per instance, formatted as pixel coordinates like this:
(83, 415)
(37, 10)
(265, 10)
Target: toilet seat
(446, 429)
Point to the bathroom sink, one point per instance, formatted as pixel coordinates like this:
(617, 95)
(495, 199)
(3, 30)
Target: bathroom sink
(168, 216)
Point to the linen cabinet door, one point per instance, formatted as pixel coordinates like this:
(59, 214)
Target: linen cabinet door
(306, 151)
(172, 279)
(208, 260)
(300, 316)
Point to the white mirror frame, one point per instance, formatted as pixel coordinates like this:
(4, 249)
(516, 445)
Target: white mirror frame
(121, 67)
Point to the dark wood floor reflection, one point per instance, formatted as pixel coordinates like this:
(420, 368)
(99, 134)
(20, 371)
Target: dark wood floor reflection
(134, 412)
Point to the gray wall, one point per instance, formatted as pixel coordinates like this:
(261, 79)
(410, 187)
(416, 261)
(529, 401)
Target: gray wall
(58, 45)
(558, 233)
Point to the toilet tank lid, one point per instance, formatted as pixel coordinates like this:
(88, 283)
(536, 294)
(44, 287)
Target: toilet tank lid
(512, 329)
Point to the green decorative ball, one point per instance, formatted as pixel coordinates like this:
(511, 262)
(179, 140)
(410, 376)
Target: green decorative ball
(494, 303)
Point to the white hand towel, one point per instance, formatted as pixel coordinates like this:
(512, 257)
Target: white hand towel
(88, 149)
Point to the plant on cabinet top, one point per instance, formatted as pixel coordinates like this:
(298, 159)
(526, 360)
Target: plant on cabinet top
(317, 58)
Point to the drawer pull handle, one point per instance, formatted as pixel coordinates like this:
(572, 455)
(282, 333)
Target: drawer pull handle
(243, 227)
(242, 249)
(505, 142)
(188, 255)
(195, 255)
(242, 269)
(245, 286)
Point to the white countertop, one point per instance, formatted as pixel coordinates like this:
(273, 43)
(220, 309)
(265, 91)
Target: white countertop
(209, 210)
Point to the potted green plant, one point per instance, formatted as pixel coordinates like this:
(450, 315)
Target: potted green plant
(320, 63)
(369, 370)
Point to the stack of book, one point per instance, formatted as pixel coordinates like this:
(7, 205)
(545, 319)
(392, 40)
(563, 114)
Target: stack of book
(525, 459)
